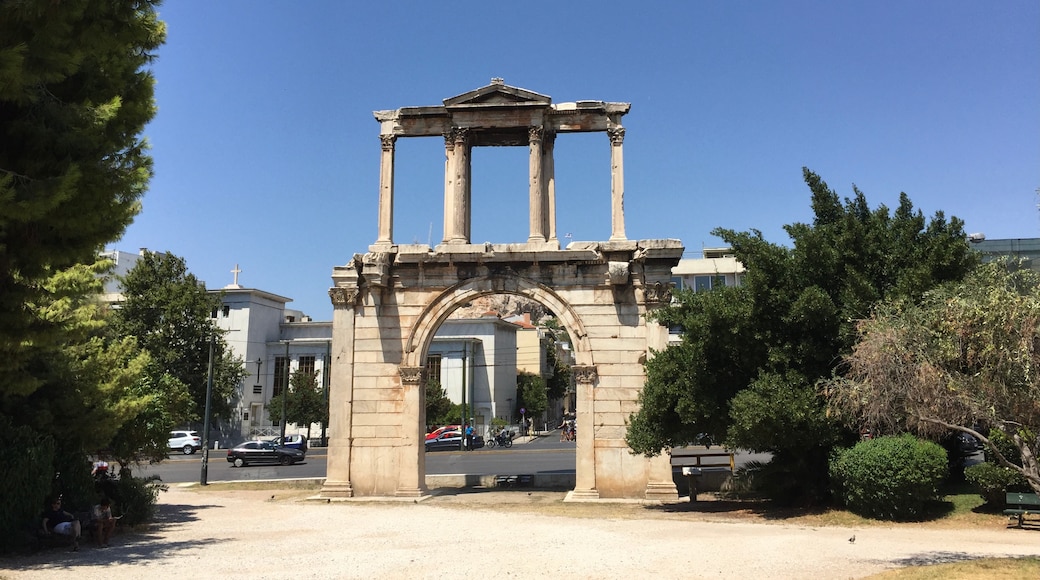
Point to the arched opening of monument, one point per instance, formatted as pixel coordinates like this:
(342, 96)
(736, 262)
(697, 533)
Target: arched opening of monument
(500, 364)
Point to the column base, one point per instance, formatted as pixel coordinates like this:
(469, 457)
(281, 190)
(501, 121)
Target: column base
(410, 492)
(663, 492)
(582, 495)
(333, 489)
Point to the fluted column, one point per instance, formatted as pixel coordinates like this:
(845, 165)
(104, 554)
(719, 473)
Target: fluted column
(386, 190)
(617, 184)
(537, 193)
(456, 186)
(549, 181)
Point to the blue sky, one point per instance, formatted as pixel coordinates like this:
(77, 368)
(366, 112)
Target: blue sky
(267, 155)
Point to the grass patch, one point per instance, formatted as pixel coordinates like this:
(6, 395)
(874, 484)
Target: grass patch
(990, 568)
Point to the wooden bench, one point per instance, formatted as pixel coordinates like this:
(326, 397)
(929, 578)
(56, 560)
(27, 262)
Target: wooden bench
(1020, 505)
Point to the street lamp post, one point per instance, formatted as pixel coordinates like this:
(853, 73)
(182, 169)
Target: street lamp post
(285, 387)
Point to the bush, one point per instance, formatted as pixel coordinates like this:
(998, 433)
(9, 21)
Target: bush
(889, 478)
(29, 472)
(137, 497)
(993, 481)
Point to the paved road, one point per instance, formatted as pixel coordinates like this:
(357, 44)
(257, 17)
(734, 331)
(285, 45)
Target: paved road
(542, 455)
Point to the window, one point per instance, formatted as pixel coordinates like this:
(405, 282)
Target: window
(226, 311)
(433, 367)
(705, 283)
(306, 365)
(678, 281)
(279, 374)
(245, 415)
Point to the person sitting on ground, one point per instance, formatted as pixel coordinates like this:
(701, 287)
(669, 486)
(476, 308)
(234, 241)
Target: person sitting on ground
(59, 521)
(104, 523)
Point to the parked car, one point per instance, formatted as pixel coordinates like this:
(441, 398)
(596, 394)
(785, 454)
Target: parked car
(187, 441)
(433, 434)
(451, 440)
(294, 441)
(263, 452)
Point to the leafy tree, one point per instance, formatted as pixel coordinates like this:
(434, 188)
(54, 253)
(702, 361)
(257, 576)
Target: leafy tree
(964, 358)
(750, 357)
(439, 408)
(169, 312)
(74, 99)
(304, 404)
(532, 394)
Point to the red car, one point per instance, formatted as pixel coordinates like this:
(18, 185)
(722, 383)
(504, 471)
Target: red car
(436, 432)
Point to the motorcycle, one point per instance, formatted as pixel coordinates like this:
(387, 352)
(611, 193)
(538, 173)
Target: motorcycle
(502, 439)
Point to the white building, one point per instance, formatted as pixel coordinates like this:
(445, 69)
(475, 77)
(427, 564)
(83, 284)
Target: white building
(476, 358)
(716, 266)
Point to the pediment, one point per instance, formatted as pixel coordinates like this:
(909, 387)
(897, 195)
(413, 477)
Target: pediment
(498, 93)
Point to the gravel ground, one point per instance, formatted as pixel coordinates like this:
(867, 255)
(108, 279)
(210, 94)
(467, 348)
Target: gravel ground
(215, 533)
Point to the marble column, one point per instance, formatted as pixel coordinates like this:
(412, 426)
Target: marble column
(449, 183)
(456, 195)
(341, 394)
(537, 193)
(617, 184)
(549, 183)
(386, 190)
(412, 481)
(585, 463)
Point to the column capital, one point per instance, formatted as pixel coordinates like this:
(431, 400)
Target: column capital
(535, 134)
(617, 135)
(584, 374)
(343, 297)
(658, 293)
(410, 375)
(387, 142)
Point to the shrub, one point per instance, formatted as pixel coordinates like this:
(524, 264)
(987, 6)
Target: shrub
(137, 497)
(993, 481)
(889, 478)
(29, 471)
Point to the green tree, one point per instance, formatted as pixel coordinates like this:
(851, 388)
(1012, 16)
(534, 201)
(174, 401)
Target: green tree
(531, 391)
(169, 312)
(963, 359)
(75, 96)
(306, 402)
(750, 357)
(439, 408)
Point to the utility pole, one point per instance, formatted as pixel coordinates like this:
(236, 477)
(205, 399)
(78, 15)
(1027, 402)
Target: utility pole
(285, 388)
(205, 420)
(462, 425)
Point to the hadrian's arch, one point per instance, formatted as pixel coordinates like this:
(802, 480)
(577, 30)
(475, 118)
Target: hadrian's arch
(389, 301)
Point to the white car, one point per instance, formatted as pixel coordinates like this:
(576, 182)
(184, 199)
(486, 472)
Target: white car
(187, 441)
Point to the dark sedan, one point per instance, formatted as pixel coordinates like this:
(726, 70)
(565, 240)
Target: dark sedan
(451, 440)
(263, 452)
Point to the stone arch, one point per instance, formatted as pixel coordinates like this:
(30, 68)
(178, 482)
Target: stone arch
(437, 311)
(389, 302)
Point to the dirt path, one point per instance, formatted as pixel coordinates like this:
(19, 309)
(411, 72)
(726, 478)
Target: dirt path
(252, 534)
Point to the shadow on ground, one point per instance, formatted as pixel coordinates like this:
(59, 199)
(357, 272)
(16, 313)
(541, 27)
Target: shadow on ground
(131, 545)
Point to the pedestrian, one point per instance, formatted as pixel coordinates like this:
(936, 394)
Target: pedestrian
(104, 523)
(469, 437)
(58, 521)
